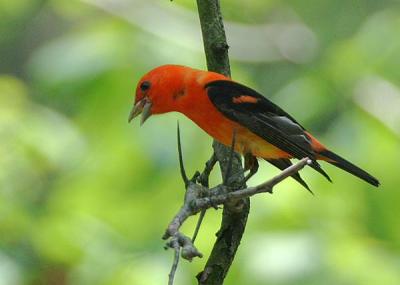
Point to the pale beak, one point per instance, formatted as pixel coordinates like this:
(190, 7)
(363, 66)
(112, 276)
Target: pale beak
(142, 107)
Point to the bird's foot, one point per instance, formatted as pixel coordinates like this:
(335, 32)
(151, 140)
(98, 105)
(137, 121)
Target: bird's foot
(251, 164)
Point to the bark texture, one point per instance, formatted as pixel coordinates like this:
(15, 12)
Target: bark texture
(234, 216)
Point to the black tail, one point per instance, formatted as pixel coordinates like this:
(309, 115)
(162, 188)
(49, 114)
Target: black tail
(349, 167)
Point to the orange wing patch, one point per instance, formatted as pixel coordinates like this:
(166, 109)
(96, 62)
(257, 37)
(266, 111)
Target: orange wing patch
(244, 99)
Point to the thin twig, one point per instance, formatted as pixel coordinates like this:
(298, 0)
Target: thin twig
(171, 274)
(181, 166)
(199, 221)
(221, 196)
(281, 176)
(203, 179)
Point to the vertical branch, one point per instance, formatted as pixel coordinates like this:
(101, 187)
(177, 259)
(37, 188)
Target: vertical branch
(234, 217)
(214, 38)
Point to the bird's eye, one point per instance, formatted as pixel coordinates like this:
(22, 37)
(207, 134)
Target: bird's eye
(145, 85)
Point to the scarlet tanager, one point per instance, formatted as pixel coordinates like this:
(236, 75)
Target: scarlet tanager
(223, 108)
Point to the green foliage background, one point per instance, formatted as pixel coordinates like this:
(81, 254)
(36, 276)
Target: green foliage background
(85, 197)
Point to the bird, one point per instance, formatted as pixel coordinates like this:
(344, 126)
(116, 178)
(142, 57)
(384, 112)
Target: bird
(224, 108)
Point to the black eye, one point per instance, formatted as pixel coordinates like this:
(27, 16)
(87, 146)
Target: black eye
(145, 85)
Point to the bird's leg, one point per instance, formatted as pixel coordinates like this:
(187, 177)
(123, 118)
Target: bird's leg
(250, 163)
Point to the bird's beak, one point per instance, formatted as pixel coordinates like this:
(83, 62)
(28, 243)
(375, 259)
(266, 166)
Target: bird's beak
(142, 107)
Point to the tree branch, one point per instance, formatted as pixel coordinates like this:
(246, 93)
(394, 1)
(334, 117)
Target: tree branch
(234, 216)
(214, 38)
(199, 198)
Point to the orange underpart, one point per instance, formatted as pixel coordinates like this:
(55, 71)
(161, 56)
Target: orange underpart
(244, 99)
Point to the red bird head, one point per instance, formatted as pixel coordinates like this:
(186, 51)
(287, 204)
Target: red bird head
(157, 90)
(169, 88)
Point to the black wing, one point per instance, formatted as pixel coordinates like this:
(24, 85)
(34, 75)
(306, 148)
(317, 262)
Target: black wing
(267, 120)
